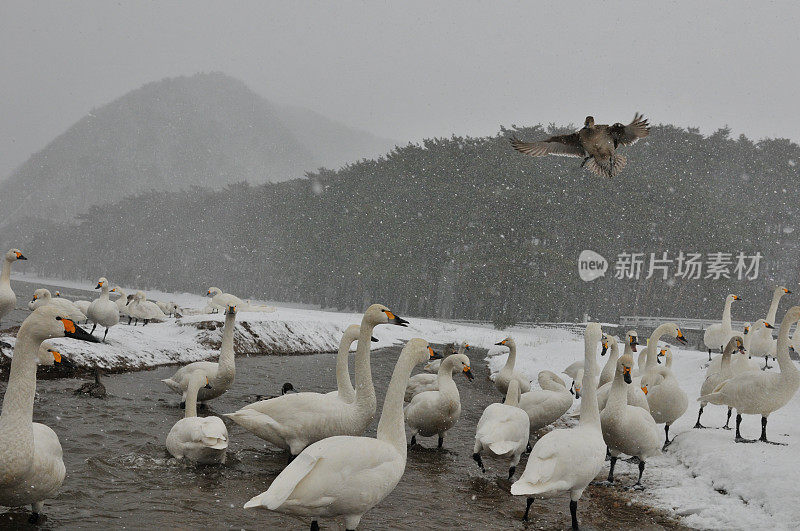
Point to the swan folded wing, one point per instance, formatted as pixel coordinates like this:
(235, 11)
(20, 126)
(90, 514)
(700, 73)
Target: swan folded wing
(212, 433)
(629, 134)
(48, 471)
(562, 145)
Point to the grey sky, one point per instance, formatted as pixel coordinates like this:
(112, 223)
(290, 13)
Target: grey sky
(407, 70)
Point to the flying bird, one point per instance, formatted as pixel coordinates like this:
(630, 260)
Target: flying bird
(596, 144)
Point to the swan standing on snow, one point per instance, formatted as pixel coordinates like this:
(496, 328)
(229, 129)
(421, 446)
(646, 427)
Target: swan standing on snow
(503, 429)
(42, 297)
(567, 460)
(434, 412)
(102, 310)
(508, 372)
(220, 375)
(717, 335)
(344, 388)
(142, 309)
(31, 463)
(761, 393)
(345, 475)
(419, 383)
(668, 402)
(220, 300)
(627, 429)
(548, 404)
(713, 379)
(762, 342)
(122, 302)
(203, 440)
(636, 396)
(740, 362)
(295, 421)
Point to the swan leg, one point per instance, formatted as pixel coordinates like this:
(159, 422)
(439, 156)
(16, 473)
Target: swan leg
(130, 319)
(477, 457)
(413, 440)
(104, 335)
(145, 322)
(585, 161)
(763, 437)
(511, 471)
(739, 438)
(314, 525)
(573, 511)
(667, 442)
(728, 420)
(441, 441)
(766, 364)
(528, 448)
(93, 327)
(699, 414)
(638, 485)
(709, 354)
(611, 470)
(528, 504)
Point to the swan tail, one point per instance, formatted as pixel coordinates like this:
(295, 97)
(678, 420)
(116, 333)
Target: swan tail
(607, 169)
(283, 485)
(502, 447)
(536, 478)
(713, 398)
(215, 436)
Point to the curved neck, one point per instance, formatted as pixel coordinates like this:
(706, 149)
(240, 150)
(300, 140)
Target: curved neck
(104, 292)
(5, 276)
(191, 396)
(613, 357)
(343, 384)
(391, 426)
(726, 313)
(652, 351)
(365, 391)
(782, 348)
(512, 357)
(724, 365)
(18, 400)
(590, 415)
(444, 378)
(227, 365)
(773, 307)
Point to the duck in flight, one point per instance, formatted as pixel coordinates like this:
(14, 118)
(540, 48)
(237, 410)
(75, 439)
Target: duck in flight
(596, 144)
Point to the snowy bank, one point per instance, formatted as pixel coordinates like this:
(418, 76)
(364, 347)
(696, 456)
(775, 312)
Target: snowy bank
(704, 476)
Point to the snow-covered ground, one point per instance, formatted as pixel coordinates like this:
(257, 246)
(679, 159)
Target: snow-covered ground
(705, 477)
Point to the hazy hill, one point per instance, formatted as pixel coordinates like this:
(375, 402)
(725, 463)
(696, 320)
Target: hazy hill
(206, 130)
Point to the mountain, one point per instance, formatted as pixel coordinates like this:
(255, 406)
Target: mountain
(207, 130)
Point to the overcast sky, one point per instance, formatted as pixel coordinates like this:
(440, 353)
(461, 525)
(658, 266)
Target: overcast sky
(408, 70)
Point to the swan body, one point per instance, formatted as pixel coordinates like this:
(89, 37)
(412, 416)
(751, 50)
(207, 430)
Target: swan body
(220, 375)
(83, 306)
(717, 335)
(762, 344)
(102, 311)
(434, 412)
(668, 402)
(346, 475)
(507, 372)
(31, 463)
(203, 440)
(567, 460)
(220, 300)
(548, 404)
(503, 430)
(636, 396)
(144, 310)
(42, 297)
(740, 362)
(761, 393)
(122, 301)
(628, 429)
(294, 421)
(715, 378)
(8, 300)
(419, 383)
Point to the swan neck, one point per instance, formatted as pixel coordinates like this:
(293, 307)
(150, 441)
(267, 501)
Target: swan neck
(773, 307)
(227, 365)
(512, 357)
(5, 276)
(652, 351)
(343, 383)
(445, 378)
(21, 389)
(512, 395)
(365, 391)
(191, 397)
(391, 426)
(590, 415)
(618, 395)
(104, 293)
(726, 313)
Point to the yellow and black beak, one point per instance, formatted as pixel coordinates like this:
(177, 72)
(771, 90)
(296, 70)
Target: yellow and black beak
(99, 285)
(740, 346)
(76, 332)
(737, 298)
(374, 339)
(468, 373)
(787, 291)
(433, 354)
(231, 310)
(395, 319)
(681, 338)
(661, 354)
(467, 347)
(767, 325)
(34, 298)
(626, 375)
(503, 342)
(634, 342)
(644, 389)
(746, 330)
(605, 347)
(20, 256)
(208, 384)
(56, 355)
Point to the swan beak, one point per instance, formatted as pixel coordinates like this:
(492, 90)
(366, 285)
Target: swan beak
(208, 384)
(571, 391)
(34, 298)
(626, 375)
(231, 310)
(468, 373)
(467, 347)
(737, 298)
(577, 392)
(374, 339)
(76, 332)
(644, 389)
(501, 343)
(56, 355)
(633, 343)
(788, 291)
(680, 338)
(767, 325)
(433, 354)
(99, 285)
(395, 319)
(605, 348)
(746, 330)
(20, 257)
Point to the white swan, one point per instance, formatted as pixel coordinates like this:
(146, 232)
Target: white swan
(419, 383)
(567, 460)
(740, 362)
(220, 375)
(714, 378)
(31, 464)
(503, 429)
(627, 429)
(761, 393)
(433, 366)
(142, 309)
(220, 300)
(508, 372)
(42, 297)
(8, 300)
(762, 343)
(636, 396)
(548, 404)
(344, 388)
(170, 309)
(122, 302)
(345, 475)
(668, 402)
(102, 311)
(203, 440)
(434, 412)
(295, 421)
(717, 335)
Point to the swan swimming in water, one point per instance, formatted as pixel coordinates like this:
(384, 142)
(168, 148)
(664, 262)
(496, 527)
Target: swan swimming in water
(31, 463)
(203, 440)
(419, 383)
(346, 475)
(548, 404)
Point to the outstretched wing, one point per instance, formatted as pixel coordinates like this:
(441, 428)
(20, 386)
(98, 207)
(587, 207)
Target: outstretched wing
(563, 145)
(628, 134)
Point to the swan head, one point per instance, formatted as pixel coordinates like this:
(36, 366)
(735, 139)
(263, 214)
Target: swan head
(624, 366)
(589, 122)
(130, 298)
(230, 310)
(736, 342)
(662, 352)
(633, 339)
(14, 254)
(213, 292)
(672, 328)
(418, 350)
(103, 281)
(379, 314)
(41, 294)
(460, 363)
(747, 327)
(48, 322)
(608, 342)
(507, 342)
(732, 297)
(576, 385)
(782, 290)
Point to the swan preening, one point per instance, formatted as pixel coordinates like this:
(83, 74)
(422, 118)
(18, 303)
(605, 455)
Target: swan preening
(294, 421)
(200, 439)
(346, 475)
(31, 464)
